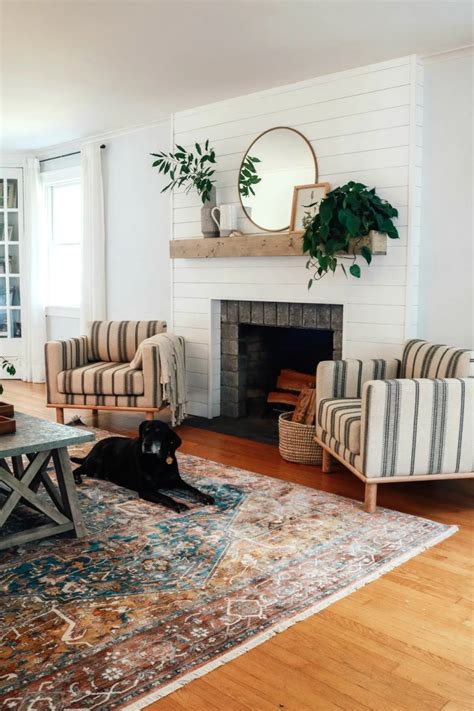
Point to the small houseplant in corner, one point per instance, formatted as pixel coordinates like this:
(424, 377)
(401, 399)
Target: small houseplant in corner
(346, 215)
(7, 423)
(192, 170)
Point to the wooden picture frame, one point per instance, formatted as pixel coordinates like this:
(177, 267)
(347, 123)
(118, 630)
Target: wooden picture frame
(304, 195)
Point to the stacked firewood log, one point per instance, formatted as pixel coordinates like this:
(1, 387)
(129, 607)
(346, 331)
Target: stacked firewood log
(296, 389)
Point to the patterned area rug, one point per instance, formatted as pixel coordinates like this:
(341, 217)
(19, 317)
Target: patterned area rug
(152, 599)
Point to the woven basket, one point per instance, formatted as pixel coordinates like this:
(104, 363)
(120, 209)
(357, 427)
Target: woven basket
(297, 441)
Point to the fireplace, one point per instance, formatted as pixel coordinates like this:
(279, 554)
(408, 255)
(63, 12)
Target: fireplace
(259, 339)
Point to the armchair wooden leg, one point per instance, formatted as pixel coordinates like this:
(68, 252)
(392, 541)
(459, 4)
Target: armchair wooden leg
(60, 415)
(370, 499)
(327, 462)
(95, 418)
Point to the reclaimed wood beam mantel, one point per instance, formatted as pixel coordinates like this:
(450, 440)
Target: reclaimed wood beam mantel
(281, 244)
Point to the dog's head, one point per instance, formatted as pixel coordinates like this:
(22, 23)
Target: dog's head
(157, 438)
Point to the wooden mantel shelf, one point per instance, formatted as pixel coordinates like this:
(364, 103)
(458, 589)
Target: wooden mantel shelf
(271, 244)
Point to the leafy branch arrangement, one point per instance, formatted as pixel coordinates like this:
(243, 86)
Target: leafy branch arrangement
(248, 176)
(9, 367)
(186, 168)
(348, 212)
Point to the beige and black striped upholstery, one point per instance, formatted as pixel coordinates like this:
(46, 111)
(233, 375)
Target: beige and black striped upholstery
(417, 427)
(341, 417)
(103, 377)
(87, 370)
(416, 417)
(428, 360)
(117, 341)
(345, 378)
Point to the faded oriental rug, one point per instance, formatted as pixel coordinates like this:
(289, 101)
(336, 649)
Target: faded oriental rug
(151, 599)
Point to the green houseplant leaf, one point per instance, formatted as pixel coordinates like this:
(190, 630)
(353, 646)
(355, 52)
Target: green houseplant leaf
(10, 368)
(346, 215)
(186, 169)
(248, 176)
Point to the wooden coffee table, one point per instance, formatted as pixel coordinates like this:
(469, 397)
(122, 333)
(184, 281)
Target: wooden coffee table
(39, 441)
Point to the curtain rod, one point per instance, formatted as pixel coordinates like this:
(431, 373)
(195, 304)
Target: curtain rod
(65, 155)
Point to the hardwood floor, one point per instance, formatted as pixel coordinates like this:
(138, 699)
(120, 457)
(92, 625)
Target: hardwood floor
(402, 642)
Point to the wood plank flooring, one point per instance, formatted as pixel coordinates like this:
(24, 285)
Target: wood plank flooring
(402, 642)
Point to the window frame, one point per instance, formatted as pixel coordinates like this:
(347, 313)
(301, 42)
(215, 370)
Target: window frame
(52, 179)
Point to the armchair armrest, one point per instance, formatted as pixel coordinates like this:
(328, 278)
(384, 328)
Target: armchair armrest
(417, 427)
(151, 374)
(345, 378)
(59, 356)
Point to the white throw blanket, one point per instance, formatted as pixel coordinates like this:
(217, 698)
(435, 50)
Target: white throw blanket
(172, 372)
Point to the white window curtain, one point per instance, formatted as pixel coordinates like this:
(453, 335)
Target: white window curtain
(34, 271)
(93, 284)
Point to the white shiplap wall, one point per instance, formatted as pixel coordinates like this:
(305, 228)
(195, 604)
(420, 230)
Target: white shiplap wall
(365, 124)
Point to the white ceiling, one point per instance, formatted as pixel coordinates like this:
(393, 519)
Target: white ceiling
(73, 68)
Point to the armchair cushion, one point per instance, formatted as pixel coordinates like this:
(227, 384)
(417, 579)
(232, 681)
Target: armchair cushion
(104, 378)
(340, 418)
(117, 341)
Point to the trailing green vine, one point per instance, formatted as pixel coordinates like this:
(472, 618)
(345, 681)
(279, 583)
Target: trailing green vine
(346, 215)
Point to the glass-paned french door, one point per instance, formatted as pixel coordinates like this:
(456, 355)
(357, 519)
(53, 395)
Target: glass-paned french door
(11, 230)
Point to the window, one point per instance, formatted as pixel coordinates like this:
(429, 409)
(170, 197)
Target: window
(64, 208)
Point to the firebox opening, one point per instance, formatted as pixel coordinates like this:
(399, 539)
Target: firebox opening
(265, 351)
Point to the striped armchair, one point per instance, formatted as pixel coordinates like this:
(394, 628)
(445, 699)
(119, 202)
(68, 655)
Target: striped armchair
(390, 420)
(94, 372)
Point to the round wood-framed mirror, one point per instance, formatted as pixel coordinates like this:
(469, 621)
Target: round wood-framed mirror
(276, 161)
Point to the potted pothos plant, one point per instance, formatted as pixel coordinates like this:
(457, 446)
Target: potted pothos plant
(346, 215)
(192, 170)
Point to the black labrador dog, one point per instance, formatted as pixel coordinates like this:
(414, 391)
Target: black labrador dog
(145, 464)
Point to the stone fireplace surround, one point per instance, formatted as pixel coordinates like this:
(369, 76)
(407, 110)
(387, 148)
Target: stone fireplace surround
(267, 313)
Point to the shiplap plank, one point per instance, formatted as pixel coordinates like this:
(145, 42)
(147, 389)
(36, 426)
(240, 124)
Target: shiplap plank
(199, 306)
(195, 335)
(345, 126)
(190, 319)
(374, 332)
(299, 115)
(315, 94)
(196, 350)
(283, 275)
(364, 350)
(333, 294)
(197, 380)
(197, 365)
(198, 409)
(375, 314)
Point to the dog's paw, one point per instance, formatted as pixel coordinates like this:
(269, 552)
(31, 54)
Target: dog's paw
(78, 479)
(180, 507)
(207, 499)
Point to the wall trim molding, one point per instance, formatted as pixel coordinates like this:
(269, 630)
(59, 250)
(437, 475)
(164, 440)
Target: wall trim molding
(75, 144)
(457, 53)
